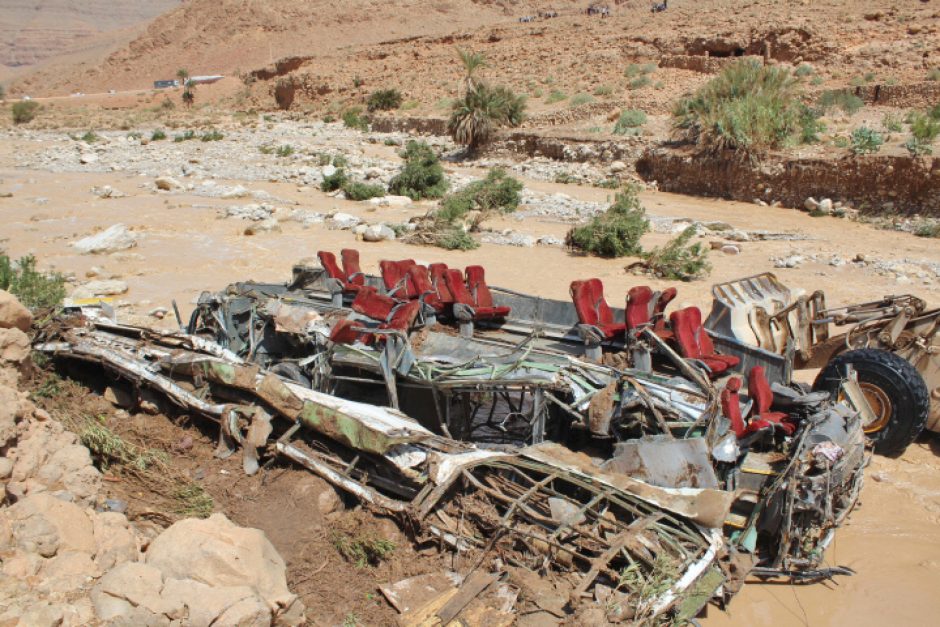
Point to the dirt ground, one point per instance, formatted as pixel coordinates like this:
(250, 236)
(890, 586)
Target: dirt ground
(891, 540)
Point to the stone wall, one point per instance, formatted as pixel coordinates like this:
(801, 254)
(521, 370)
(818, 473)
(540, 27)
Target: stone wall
(876, 183)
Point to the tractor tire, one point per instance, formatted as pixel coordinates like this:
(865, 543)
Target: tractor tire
(893, 387)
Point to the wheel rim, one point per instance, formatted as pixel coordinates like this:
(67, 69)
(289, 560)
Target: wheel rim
(880, 405)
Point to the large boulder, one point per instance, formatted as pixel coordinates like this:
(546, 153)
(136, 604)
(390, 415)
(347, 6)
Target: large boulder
(114, 238)
(48, 457)
(14, 347)
(43, 524)
(13, 315)
(219, 553)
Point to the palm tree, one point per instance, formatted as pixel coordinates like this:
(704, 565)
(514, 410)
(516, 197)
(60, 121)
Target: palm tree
(183, 75)
(189, 97)
(472, 61)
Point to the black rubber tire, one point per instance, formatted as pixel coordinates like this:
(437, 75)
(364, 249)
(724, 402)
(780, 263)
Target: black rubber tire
(898, 380)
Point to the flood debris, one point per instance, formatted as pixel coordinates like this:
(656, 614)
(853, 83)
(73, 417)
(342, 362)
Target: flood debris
(617, 486)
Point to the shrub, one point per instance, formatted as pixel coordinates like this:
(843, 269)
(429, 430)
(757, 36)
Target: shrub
(928, 230)
(167, 104)
(629, 121)
(284, 151)
(556, 95)
(616, 232)
(608, 183)
(604, 90)
(803, 70)
(35, 289)
(352, 118)
(89, 137)
(158, 135)
(934, 113)
(212, 136)
(497, 193)
(810, 126)
(384, 100)
(362, 550)
(678, 260)
(455, 239)
(933, 74)
(580, 99)
(422, 176)
(481, 110)
(892, 122)
(186, 136)
(334, 181)
(841, 98)
(917, 148)
(635, 69)
(749, 107)
(866, 141)
(338, 161)
(356, 190)
(924, 128)
(640, 82)
(24, 112)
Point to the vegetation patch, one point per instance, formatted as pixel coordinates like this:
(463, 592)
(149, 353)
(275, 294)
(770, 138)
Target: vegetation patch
(629, 122)
(384, 100)
(25, 112)
(352, 118)
(865, 141)
(749, 107)
(36, 290)
(678, 260)
(422, 176)
(362, 549)
(614, 233)
(842, 99)
(482, 108)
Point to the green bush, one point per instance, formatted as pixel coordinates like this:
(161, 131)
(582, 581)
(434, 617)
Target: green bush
(928, 230)
(580, 99)
(924, 128)
(186, 136)
(933, 74)
(640, 82)
(749, 107)
(384, 100)
(352, 118)
(556, 95)
(917, 148)
(803, 70)
(616, 232)
(35, 289)
(892, 122)
(866, 141)
(356, 190)
(679, 260)
(635, 69)
(422, 176)
(481, 110)
(629, 121)
(212, 136)
(497, 193)
(89, 137)
(158, 135)
(604, 90)
(934, 113)
(841, 98)
(810, 126)
(25, 111)
(339, 161)
(284, 151)
(334, 181)
(455, 239)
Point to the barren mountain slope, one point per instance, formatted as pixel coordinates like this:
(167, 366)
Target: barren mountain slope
(225, 36)
(33, 30)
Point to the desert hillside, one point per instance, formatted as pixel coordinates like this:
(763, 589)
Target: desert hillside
(228, 36)
(34, 30)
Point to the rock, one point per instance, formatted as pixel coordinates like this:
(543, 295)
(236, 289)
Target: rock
(253, 212)
(114, 238)
(328, 170)
(340, 220)
(87, 158)
(329, 501)
(158, 312)
(168, 184)
(265, 226)
(390, 201)
(793, 261)
(49, 457)
(6, 468)
(106, 191)
(46, 525)
(218, 553)
(14, 346)
(13, 315)
(811, 204)
(730, 249)
(378, 233)
(207, 605)
(92, 289)
(617, 166)
(131, 591)
(825, 205)
(115, 540)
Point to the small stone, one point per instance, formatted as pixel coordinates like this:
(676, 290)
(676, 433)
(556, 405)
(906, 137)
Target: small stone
(159, 312)
(618, 166)
(329, 502)
(811, 204)
(730, 249)
(378, 233)
(88, 157)
(825, 205)
(167, 184)
(92, 289)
